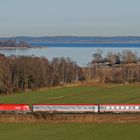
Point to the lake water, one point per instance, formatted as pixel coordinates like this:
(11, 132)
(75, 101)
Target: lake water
(80, 53)
(89, 45)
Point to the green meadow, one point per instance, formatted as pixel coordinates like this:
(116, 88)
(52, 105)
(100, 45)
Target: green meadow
(37, 131)
(74, 131)
(78, 95)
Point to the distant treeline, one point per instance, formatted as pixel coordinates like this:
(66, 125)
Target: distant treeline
(77, 39)
(119, 67)
(21, 73)
(13, 43)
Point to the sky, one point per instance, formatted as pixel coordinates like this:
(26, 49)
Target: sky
(69, 17)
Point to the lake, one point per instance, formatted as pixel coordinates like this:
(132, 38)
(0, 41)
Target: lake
(77, 52)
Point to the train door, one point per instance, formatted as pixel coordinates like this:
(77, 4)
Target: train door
(96, 108)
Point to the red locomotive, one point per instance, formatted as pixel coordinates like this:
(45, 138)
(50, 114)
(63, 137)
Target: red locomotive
(14, 108)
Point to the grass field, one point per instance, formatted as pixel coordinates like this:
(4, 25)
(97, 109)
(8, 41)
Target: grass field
(79, 94)
(69, 131)
(74, 131)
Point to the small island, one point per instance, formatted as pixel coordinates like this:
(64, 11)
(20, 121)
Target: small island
(13, 44)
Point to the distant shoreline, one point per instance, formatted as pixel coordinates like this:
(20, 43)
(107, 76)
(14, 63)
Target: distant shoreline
(12, 48)
(76, 39)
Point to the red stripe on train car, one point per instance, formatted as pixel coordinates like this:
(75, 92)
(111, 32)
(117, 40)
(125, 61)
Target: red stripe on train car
(68, 104)
(119, 104)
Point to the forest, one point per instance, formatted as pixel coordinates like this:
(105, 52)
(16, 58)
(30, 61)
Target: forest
(21, 73)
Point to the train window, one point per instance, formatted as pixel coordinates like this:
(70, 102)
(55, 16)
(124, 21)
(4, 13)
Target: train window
(108, 107)
(87, 107)
(84, 107)
(132, 107)
(127, 107)
(122, 107)
(60, 107)
(36, 107)
(43, 107)
(92, 107)
(117, 107)
(67, 107)
(72, 107)
(136, 107)
(55, 107)
(101, 107)
(63, 107)
(79, 107)
(112, 107)
(47, 107)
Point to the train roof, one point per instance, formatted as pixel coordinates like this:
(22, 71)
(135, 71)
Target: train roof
(121, 104)
(91, 104)
(67, 104)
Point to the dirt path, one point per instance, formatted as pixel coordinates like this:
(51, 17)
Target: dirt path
(77, 118)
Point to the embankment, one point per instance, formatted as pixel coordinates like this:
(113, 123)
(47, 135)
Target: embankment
(68, 118)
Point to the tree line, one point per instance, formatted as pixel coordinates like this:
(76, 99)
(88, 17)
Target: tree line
(120, 67)
(20, 73)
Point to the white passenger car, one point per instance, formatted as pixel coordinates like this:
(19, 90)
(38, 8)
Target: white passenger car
(120, 108)
(65, 108)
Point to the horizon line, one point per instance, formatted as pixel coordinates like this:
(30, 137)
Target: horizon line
(70, 36)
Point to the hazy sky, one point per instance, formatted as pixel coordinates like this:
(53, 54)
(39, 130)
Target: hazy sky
(69, 17)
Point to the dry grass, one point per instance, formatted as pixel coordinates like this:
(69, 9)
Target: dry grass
(70, 118)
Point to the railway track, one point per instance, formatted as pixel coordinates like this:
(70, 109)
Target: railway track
(75, 118)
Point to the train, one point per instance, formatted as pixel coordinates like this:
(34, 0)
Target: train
(14, 108)
(69, 108)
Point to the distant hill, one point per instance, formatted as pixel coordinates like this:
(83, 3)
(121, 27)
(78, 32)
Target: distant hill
(13, 44)
(77, 39)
